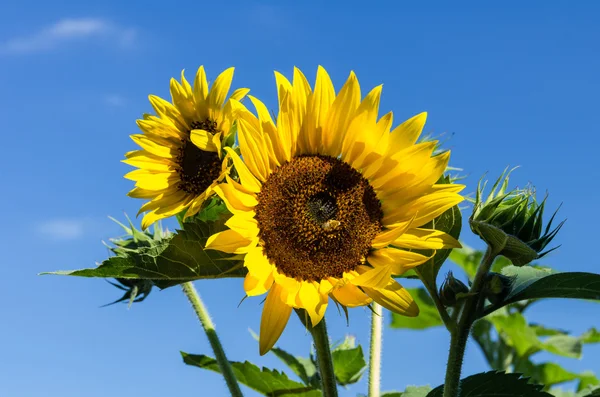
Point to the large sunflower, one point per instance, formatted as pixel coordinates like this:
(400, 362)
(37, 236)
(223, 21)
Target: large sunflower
(181, 157)
(328, 201)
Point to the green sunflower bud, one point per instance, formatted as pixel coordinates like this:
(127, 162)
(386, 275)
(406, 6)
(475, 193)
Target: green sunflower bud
(511, 222)
(135, 290)
(497, 287)
(452, 290)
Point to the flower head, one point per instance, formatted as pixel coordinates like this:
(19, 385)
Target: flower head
(328, 201)
(511, 222)
(180, 160)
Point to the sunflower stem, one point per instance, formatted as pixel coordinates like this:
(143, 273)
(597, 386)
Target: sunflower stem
(375, 351)
(324, 359)
(446, 319)
(460, 334)
(209, 328)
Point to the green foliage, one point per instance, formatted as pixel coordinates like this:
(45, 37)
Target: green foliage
(495, 384)
(535, 283)
(173, 260)
(348, 362)
(507, 340)
(265, 381)
(428, 316)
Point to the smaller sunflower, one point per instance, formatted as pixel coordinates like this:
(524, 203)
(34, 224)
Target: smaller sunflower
(180, 160)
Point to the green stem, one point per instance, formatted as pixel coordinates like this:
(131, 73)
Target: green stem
(213, 338)
(446, 319)
(460, 335)
(324, 360)
(375, 351)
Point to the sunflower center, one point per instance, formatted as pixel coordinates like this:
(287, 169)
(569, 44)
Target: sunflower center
(317, 217)
(198, 168)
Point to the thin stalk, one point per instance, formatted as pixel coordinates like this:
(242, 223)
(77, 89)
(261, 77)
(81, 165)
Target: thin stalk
(447, 320)
(375, 351)
(460, 335)
(324, 360)
(213, 338)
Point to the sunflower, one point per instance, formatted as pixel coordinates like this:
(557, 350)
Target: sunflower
(180, 160)
(329, 200)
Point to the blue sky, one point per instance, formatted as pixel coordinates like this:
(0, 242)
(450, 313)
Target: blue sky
(507, 85)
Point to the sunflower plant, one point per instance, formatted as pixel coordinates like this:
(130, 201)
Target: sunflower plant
(325, 202)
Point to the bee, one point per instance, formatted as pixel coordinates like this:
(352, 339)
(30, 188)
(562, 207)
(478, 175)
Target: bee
(330, 225)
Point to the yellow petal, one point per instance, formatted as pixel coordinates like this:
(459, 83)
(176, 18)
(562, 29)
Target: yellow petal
(257, 263)
(200, 88)
(231, 242)
(377, 277)
(394, 298)
(203, 140)
(317, 109)
(384, 238)
(426, 239)
(254, 150)
(423, 209)
(239, 94)
(165, 110)
(275, 316)
(407, 133)
(248, 180)
(351, 296)
(244, 224)
(220, 88)
(398, 261)
(149, 218)
(254, 286)
(235, 200)
(341, 113)
(309, 299)
(181, 101)
(160, 150)
(362, 125)
(157, 126)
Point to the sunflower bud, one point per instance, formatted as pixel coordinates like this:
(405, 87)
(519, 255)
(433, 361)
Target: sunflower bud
(450, 290)
(511, 222)
(497, 287)
(135, 290)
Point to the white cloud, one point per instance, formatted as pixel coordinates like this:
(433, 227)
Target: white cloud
(115, 100)
(69, 30)
(62, 229)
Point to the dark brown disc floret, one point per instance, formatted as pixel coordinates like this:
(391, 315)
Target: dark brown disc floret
(197, 168)
(317, 217)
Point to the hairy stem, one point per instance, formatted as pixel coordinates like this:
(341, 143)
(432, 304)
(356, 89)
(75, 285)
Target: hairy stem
(460, 335)
(213, 338)
(324, 359)
(448, 321)
(375, 351)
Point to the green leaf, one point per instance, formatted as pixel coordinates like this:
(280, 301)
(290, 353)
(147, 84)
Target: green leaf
(591, 336)
(495, 384)
(548, 374)
(416, 391)
(170, 261)
(266, 381)
(467, 258)
(428, 316)
(391, 394)
(348, 362)
(535, 283)
(497, 353)
(518, 334)
(303, 367)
